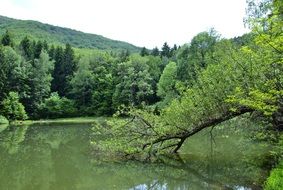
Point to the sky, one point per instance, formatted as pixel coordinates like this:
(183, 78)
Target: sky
(144, 23)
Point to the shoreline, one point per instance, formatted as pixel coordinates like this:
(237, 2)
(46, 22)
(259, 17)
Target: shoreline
(58, 120)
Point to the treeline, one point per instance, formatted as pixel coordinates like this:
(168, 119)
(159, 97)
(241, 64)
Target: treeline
(39, 80)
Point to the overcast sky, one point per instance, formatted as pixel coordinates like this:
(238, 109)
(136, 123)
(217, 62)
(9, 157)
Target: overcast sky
(146, 23)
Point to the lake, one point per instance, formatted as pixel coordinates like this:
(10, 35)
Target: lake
(60, 157)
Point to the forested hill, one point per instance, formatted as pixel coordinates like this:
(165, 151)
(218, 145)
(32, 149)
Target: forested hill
(59, 35)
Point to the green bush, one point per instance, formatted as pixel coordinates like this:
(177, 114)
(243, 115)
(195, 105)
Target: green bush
(12, 108)
(275, 180)
(56, 107)
(3, 120)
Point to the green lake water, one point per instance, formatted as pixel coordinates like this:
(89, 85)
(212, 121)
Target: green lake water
(59, 157)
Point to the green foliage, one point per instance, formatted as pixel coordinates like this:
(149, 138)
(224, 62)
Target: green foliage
(155, 67)
(206, 103)
(244, 40)
(30, 75)
(123, 56)
(92, 85)
(65, 66)
(58, 76)
(200, 54)
(31, 79)
(104, 90)
(37, 47)
(12, 108)
(166, 87)
(201, 84)
(274, 181)
(56, 107)
(133, 82)
(13, 71)
(3, 72)
(155, 52)
(6, 39)
(60, 36)
(3, 120)
(183, 66)
(144, 52)
(155, 70)
(205, 100)
(41, 75)
(257, 100)
(26, 47)
(165, 50)
(83, 85)
(192, 58)
(116, 138)
(265, 19)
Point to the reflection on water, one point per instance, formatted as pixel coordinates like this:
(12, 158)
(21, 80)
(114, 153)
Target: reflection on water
(59, 157)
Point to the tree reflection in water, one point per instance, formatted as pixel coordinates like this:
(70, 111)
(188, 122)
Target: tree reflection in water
(51, 157)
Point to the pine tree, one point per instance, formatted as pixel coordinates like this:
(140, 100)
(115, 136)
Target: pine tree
(51, 52)
(56, 84)
(37, 49)
(144, 52)
(69, 60)
(6, 39)
(155, 52)
(26, 47)
(65, 66)
(165, 52)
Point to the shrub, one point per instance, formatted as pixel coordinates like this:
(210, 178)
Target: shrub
(275, 180)
(3, 120)
(12, 108)
(56, 107)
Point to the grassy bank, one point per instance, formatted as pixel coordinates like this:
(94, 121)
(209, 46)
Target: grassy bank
(60, 120)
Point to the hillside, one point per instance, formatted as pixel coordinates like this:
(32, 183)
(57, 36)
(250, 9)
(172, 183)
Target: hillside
(59, 35)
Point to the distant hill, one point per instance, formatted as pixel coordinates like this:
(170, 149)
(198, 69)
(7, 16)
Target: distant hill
(59, 35)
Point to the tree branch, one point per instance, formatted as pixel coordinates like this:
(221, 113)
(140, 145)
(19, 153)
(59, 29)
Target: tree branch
(185, 134)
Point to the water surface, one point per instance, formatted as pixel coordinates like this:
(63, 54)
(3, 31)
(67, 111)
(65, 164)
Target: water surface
(59, 157)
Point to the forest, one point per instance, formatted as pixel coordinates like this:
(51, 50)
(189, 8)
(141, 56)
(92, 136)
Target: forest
(157, 98)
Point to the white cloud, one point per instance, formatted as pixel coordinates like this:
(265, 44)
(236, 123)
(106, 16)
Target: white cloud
(141, 22)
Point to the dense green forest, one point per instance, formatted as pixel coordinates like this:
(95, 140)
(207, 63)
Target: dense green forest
(60, 36)
(42, 80)
(164, 96)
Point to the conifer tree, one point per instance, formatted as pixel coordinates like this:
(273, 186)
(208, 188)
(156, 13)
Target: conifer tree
(6, 39)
